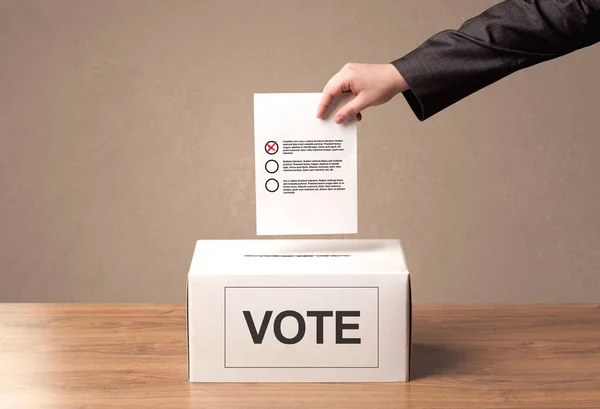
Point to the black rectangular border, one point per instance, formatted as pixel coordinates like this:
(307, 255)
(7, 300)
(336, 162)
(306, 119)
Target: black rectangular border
(292, 367)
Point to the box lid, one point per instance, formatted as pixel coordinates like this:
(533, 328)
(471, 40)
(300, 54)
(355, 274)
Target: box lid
(305, 256)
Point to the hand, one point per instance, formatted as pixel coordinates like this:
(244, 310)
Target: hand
(373, 84)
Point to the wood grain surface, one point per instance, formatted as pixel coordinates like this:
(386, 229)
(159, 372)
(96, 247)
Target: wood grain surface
(134, 356)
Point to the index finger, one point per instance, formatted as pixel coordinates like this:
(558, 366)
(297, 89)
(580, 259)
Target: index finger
(332, 89)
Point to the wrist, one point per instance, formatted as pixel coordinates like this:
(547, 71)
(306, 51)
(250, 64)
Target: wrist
(397, 81)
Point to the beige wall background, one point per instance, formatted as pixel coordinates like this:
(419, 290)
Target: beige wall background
(127, 134)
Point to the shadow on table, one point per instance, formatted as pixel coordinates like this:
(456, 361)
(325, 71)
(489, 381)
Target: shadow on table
(427, 360)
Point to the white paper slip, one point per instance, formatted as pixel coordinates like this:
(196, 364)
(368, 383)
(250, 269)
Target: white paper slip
(306, 179)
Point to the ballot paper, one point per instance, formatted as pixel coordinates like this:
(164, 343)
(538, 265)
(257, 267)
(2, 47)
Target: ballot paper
(306, 180)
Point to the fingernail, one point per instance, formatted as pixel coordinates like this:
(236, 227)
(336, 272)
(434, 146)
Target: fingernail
(338, 119)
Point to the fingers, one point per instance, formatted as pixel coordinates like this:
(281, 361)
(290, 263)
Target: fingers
(338, 84)
(351, 108)
(334, 87)
(329, 93)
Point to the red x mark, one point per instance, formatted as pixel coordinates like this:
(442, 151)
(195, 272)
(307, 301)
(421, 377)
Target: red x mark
(271, 146)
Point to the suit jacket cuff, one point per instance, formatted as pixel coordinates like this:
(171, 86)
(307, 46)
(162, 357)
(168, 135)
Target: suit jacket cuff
(421, 96)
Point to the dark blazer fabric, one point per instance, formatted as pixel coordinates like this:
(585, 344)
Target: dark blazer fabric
(507, 37)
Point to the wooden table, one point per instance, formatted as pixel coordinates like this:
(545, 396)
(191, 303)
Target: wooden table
(134, 356)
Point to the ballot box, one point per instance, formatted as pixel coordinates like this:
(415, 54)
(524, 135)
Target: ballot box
(298, 311)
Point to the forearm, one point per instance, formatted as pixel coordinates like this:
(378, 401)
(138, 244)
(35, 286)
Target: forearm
(510, 36)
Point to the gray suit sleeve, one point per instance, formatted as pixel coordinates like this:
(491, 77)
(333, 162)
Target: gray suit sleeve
(507, 37)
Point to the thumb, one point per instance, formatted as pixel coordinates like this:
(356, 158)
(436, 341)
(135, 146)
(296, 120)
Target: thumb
(351, 108)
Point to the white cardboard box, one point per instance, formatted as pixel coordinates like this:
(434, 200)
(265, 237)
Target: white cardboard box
(299, 311)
